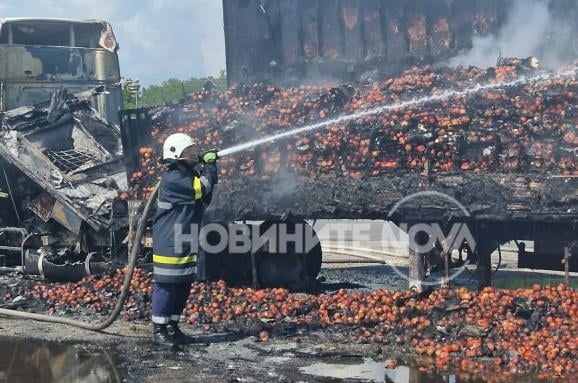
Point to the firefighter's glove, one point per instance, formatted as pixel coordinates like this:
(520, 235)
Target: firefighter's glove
(209, 157)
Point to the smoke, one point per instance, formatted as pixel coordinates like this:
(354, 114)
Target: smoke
(286, 184)
(531, 29)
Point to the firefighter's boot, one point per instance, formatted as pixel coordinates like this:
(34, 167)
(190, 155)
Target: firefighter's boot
(161, 335)
(177, 335)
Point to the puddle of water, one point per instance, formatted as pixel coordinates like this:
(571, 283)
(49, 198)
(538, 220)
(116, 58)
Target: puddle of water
(32, 362)
(371, 371)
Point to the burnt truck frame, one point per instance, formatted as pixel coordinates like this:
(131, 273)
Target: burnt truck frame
(41, 56)
(60, 149)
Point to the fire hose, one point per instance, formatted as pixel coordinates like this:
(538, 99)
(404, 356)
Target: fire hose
(101, 325)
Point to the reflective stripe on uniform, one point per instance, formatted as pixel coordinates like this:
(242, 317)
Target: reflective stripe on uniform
(160, 320)
(206, 184)
(197, 185)
(174, 272)
(164, 205)
(174, 260)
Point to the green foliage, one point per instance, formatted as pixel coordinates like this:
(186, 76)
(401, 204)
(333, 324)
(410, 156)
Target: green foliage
(170, 90)
(526, 283)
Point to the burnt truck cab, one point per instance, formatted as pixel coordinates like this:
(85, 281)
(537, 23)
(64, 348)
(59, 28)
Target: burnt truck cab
(41, 56)
(62, 172)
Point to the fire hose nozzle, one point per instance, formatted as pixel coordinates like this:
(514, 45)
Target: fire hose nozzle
(210, 155)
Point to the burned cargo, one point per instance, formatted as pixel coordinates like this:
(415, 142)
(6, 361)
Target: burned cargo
(503, 143)
(497, 334)
(483, 146)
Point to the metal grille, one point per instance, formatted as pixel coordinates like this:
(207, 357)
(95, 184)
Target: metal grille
(69, 160)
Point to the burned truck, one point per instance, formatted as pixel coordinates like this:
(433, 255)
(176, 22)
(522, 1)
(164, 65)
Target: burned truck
(60, 148)
(41, 56)
(506, 153)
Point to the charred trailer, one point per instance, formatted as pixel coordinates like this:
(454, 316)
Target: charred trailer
(511, 166)
(61, 173)
(508, 156)
(292, 42)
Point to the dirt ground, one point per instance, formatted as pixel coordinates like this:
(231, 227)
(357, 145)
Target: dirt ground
(229, 357)
(216, 357)
(213, 358)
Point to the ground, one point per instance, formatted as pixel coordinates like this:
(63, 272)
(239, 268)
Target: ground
(126, 350)
(223, 359)
(214, 356)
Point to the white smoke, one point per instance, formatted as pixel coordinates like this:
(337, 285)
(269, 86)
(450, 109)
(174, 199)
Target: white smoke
(529, 30)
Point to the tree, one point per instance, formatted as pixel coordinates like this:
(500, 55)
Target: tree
(169, 90)
(130, 92)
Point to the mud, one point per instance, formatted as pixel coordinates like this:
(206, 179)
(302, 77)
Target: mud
(25, 361)
(214, 357)
(124, 354)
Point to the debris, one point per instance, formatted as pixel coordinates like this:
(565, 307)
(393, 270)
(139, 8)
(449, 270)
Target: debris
(485, 329)
(522, 308)
(472, 330)
(264, 336)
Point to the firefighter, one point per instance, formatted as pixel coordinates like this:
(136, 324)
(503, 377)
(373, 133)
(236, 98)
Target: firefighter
(184, 193)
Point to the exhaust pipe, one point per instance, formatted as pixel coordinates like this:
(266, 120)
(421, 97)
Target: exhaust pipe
(37, 264)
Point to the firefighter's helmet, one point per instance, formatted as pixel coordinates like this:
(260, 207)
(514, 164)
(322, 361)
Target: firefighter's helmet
(175, 145)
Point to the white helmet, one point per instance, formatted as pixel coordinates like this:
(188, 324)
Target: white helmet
(174, 146)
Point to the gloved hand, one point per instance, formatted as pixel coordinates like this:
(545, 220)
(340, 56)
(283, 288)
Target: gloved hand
(209, 157)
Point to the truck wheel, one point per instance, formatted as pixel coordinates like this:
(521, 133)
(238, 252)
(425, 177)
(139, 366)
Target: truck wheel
(314, 259)
(288, 268)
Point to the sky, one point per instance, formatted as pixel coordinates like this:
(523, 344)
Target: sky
(159, 39)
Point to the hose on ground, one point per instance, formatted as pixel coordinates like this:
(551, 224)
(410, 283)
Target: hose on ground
(101, 325)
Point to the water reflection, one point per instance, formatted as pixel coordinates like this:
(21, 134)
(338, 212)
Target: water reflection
(372, 371)
(32, 362)
(367, 369)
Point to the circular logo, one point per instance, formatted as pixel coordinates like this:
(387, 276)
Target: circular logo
(434, 244)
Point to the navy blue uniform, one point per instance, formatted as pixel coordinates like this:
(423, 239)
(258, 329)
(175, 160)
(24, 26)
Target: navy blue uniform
(182, 199)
